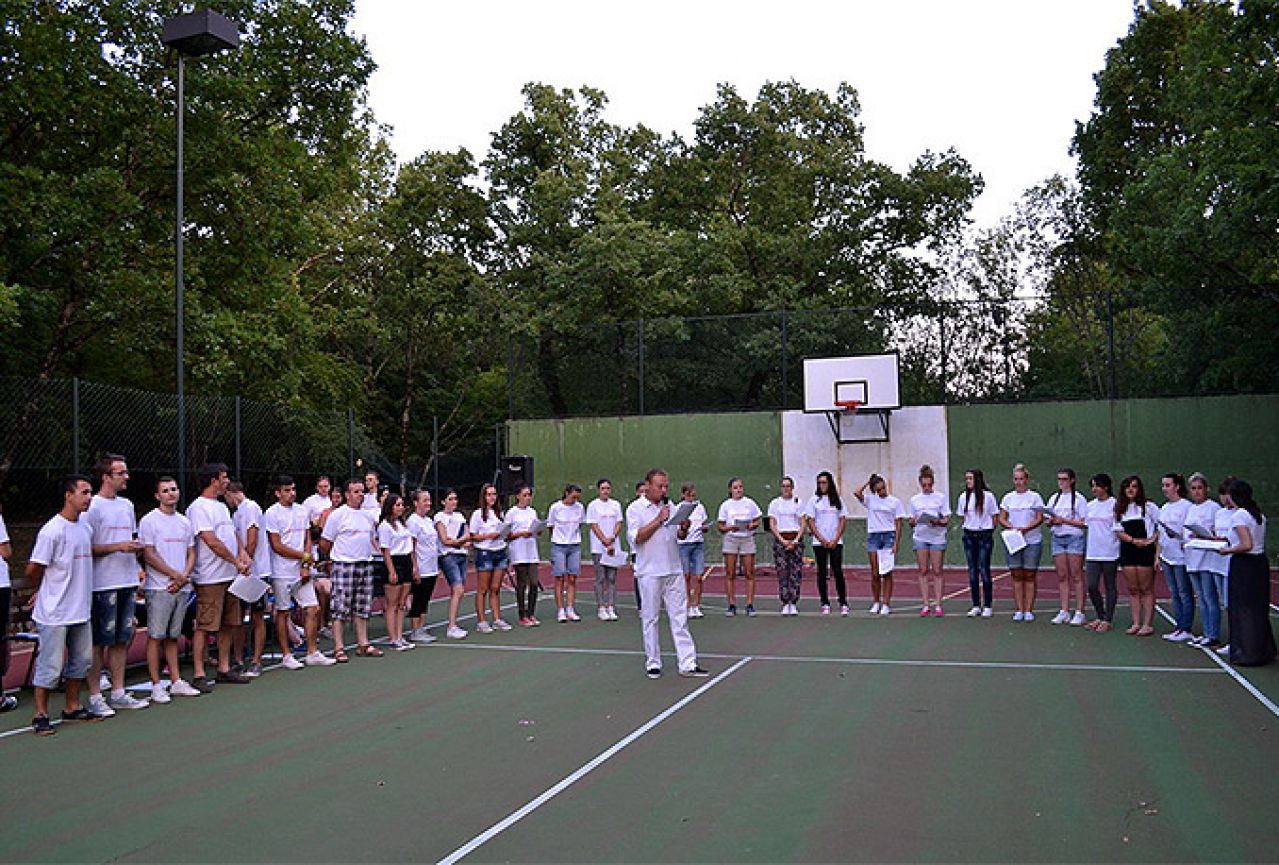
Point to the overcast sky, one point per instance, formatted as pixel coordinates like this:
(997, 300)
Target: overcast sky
(1001, 81)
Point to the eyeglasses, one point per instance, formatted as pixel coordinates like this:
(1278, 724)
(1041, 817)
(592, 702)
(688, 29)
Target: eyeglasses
(123, 474)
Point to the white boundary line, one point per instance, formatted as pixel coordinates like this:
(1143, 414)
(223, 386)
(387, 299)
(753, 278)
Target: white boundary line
(1234, 674)
(509, 821)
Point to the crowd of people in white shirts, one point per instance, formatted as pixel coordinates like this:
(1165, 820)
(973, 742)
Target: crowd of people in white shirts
(322, 561)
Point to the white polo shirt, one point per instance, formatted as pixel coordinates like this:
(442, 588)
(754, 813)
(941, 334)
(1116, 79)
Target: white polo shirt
(659, 555)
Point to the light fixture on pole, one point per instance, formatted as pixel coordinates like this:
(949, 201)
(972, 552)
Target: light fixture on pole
(192, 35)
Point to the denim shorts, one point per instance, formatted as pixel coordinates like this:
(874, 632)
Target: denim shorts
(71, 645)
(877, 541)
(1071, 545)
(566, 559)
(165, 612)
(491, 560)
(926, 545)
(692, 558)
(453, 567)
(113, 616)
(1027, 558)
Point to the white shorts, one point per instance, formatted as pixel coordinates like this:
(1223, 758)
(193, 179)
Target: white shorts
(290, 592)
(739, 546)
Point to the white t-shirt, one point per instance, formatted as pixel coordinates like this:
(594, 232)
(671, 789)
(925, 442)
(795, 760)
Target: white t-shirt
(608, 516)
(394, 537)
(929, 503)
(697, 520)
(786, 514)
(1103, 540)
(454, 527)
(1223, 526)
(292, 525)
(1148, 515)
(659, 555)
(371, 504)
(314, 505)
(732, 510)
(882, 513)
(171, 536)
(351, 533)
(1022, 509)
(113, 521)
(66, 592)
(1069, 507)
(4, 564)
(211, 515)
(566, 522)
(1241, 518)
(249, 515)
(1203, 515)
(1173, 515)
(523, 551)
(974, 521)
(825, 517)
(482, 526)
(426, 544)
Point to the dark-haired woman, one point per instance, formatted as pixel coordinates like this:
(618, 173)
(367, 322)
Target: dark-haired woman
(564, 518)
(523, 524)
(824, 515)
(450, 526)
(426, 564)
(884, 515)
(1101, 553)
(1172, 555)
(1138, 532)
(395, 544)
(1252, 641)
(491, 561)
(604, 516)
(786, 522)
(929, 514)
(1068, 507)
(977, 507)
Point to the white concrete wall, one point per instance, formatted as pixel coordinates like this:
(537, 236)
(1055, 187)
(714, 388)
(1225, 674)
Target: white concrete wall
(918, 436)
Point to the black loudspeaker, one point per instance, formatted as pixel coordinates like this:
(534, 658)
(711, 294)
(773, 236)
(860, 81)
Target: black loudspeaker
(516, 472)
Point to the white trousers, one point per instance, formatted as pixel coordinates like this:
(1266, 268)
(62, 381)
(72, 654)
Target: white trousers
(668, 590)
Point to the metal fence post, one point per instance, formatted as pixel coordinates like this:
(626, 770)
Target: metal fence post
(435, 451)
(350, 442)
(641, 366)
(75, 425)
(1110, 344)
(239, 470)
(785, 362)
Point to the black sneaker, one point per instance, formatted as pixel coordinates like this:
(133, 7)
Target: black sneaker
(750, 610)
(84, 713)
(653, 672)
(695, 673)
(203, 684)
(731, 611)
(233, 677)
(8, 703)
(42, 726)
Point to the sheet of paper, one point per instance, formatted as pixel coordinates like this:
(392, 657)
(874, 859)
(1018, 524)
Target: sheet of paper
(1014, 540)
(1198, 531)
(1203, 544)
(681, 513)
(617, 559)
(1171, 531)
(248, 588)
(886, 562)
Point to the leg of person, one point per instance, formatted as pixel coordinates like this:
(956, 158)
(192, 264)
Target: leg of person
(821, 558)
(522, 579)
(481, 599)
(1110, 574)
(672, 588)
(886, 582)
(362, 608)
(936, 562)
(1032, 580)
(340, 603)
(1061, 565)
(1076, 564)
(573, 563)
(984, 549)
(232, 624)
(49, 662)
(837, 572)
(257, 616)
(651, 591)
(921, 563)
(1186, 595)
(748, 565)
(1212, 607)
(876, 586)
(601, 608)
(730, 580)
(495, 594)
(610, 590)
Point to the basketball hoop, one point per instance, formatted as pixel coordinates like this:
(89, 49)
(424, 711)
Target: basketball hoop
(849, 406)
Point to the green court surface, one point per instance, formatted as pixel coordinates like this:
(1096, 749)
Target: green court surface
(815, 739)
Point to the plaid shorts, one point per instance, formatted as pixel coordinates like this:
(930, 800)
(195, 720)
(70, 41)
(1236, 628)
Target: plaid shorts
(352, 590)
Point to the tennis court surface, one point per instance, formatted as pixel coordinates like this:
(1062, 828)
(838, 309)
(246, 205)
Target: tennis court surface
(815, 739)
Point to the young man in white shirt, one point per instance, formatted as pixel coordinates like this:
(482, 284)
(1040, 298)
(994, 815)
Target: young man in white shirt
(660, 576)
(8, 702)
(318, 502)
(246, 516)
(218, 560)
(113, 527)
(371, 501)
(168, 549)
(60, 573)
(287, 527)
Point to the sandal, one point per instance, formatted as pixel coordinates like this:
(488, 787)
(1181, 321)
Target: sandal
(1104, 627)
(1132, 632)
(369, 651)
(340, 655)
(1145, 631)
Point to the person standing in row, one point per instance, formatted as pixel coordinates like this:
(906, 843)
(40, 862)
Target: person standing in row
(8, 702)
(825, 516)
(395, 549)
(60, 574)
(1138, 533)
(426, 564)
(1067, 509)
(348, 540)
(737, 521)
(657, 572)
(565, 519)
(1021, 510)
(1222, 520)
(929, 514)
(1252, 640)
(604, 516)
(246, 516)
(450, 528)
(786, 523)
(1202, 514)
(168, 549)
(491, 560)
(1172, 556)
(287, 529)
(977, 507)
(1101, 553)
(884, 514)
(218, 559)
(692, 551)
(113, 526)
(521, 521)
(372, 501)
(319, 501)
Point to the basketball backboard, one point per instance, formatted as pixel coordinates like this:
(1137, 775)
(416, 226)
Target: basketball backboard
(870, 381)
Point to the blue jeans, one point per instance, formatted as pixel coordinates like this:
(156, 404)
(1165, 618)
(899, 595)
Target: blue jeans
(1183, 596)
(566, 559)
(1205, 585)
(693, 558)
(454, 568)
(977, 549)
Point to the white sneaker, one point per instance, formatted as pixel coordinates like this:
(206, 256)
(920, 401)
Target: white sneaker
(874, 608)
(402, 645)
(612, 614)
(1224, 651)
(1018, 616)
(183, 688)
(484, 627)
(603, 614)
(290, 662)
(455, 633)
(1028, 616)
(987, 612)
(884, 609)
(974, 612)
(126, 701)
(698, 611)
(319, 659)
(572, 615)
(160, 694)
(501, 625)
(422, 635)
(561, 615)
(1184, 638)
(843, 610)
(825, 609)
(1078, 619)
(1061, 618)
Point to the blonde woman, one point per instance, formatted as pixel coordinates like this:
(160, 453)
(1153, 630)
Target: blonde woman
(450, 526)
(604, 516)
(738, 519)
(929, 516)
(395, 544)
(1022, 510)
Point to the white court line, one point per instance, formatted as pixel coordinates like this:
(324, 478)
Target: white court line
(509, 821)
(1234, 674)
(994, 579)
